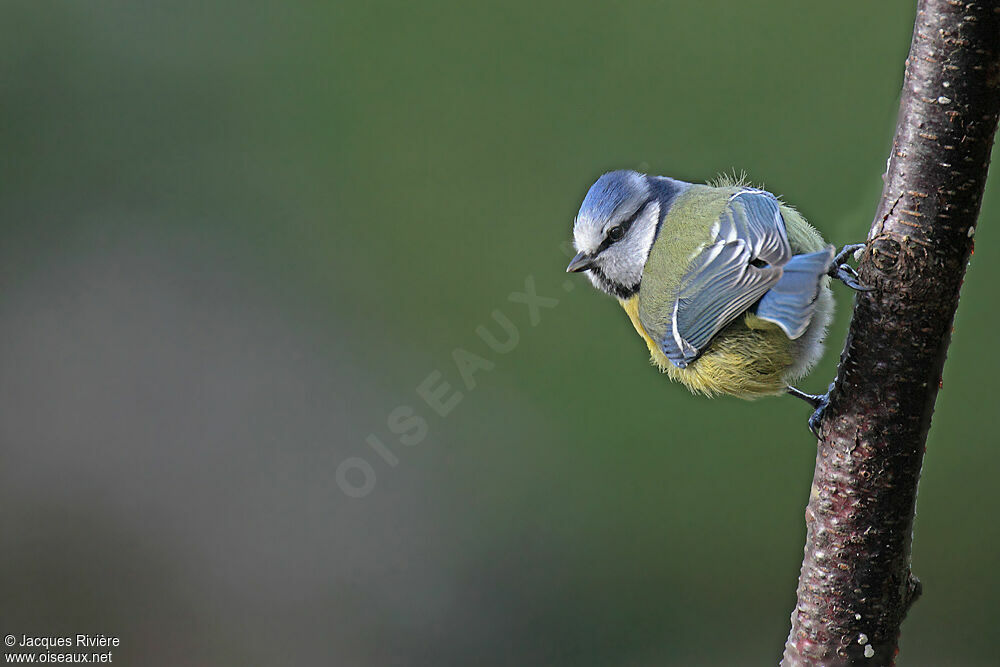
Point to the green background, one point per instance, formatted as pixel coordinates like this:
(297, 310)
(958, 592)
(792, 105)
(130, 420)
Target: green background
(236, 236)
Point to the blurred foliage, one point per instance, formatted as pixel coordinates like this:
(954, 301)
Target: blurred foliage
(376, 179)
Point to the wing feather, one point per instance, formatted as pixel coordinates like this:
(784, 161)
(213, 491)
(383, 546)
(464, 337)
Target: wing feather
(722, 281)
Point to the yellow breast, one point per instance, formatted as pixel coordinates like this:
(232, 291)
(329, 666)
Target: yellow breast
(746, 359)
(631, 306)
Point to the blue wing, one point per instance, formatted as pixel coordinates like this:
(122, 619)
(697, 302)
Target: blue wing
(728, 275)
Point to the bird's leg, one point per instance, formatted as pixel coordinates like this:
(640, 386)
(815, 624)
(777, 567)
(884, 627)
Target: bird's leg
(815, 400)
(843, 271)
(819, 403)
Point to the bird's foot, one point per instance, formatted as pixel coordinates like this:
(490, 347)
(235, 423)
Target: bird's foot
(819, 403)
(847, 251)
(844, 272)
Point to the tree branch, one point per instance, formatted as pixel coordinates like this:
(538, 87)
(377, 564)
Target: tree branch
(855, 585)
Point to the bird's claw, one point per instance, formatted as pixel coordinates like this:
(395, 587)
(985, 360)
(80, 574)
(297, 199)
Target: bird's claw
(847, 275)
(844, 272)
(817, 416)
(846, 252)
(819, 403)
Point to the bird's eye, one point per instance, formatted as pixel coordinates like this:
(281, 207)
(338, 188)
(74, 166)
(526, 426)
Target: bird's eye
(616, 233)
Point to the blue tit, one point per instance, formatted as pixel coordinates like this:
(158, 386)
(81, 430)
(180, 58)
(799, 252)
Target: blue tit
(728, 286)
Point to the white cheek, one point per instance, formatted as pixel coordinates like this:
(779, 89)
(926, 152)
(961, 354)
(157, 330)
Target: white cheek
(626, 262)
(646, 233)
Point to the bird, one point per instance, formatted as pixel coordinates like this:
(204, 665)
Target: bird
(728, 286)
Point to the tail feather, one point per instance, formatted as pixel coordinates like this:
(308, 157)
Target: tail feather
(791, 302)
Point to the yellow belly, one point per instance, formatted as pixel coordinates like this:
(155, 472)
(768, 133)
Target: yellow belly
(747, 359)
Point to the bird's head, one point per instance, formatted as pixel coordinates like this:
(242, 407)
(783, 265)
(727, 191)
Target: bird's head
(615, 229)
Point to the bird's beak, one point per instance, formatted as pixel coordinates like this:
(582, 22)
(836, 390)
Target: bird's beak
(579, 263)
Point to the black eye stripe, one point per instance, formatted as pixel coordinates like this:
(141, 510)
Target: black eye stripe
(625, 226)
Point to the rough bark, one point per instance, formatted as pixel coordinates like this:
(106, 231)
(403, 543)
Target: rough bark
(855, 585)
